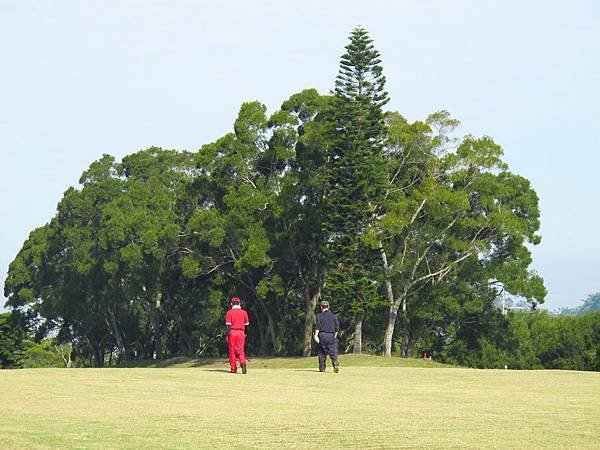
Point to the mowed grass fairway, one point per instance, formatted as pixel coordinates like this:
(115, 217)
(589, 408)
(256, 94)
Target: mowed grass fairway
(288, 404)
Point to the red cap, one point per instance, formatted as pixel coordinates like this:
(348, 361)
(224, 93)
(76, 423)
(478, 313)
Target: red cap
(235, 300)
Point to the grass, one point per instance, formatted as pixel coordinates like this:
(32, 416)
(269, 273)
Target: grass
(371, 403)
(348, 360)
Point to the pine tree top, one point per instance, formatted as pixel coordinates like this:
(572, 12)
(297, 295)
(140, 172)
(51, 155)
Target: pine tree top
(360, 77)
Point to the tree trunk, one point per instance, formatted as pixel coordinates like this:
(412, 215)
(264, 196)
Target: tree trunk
(393, 311)
(98, 355)
(118, 336)
(263, 341)
(404, 346)
(309, 320)
(155, 317)
(410, 342)
(182, 342)
(358, 335)
(278, 343)
(187, 341)
(262, 344)
(271, 327)
(272, 332)
(69, 360)
(393, 315)
(389, 331)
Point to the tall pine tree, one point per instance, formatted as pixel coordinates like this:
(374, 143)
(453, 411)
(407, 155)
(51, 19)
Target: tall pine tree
(355, 180)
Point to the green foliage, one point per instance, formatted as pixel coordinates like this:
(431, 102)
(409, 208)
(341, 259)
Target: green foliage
(43, 354)
(328, 197)
(531, 340)
(360, 78)
(355, 178)
(14, 340)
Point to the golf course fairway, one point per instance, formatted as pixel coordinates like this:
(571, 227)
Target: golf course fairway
(288, 404)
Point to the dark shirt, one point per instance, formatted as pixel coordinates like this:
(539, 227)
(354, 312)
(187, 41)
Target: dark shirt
(327, 322)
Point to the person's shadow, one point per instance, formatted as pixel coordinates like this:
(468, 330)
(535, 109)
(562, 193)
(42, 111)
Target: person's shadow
(217, 370)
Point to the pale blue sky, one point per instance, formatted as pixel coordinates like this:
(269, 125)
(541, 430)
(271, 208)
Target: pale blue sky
(78, 79)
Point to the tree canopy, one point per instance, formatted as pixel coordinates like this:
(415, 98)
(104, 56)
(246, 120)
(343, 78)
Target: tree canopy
(409, 230)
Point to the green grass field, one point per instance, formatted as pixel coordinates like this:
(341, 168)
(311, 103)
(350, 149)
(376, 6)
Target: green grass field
(285, 403)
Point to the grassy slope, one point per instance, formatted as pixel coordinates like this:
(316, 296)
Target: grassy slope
(362, 407)
(348, 360)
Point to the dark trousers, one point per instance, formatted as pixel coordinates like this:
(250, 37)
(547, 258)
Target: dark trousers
(327, 346)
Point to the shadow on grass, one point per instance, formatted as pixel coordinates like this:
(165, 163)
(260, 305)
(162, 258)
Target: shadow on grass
(218, 370)
(258, 361)
(180, 361)
(288, 362)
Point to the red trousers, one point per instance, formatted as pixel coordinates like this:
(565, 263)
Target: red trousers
(236, 341)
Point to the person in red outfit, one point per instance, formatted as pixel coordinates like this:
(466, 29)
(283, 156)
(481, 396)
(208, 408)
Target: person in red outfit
(236, 321)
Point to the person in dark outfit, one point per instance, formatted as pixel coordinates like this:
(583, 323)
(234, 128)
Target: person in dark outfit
(326, 334)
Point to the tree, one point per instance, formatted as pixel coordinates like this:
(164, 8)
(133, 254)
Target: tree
(93, 273)
(236, 226)
(410, 232)
(14, 340)
(460, 205)
(302, 253)
(43, 354)
(355, 178)
(139, 231)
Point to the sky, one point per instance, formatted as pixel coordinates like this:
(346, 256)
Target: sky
(79, 79)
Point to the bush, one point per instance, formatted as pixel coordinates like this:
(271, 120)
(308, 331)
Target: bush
(42, 354)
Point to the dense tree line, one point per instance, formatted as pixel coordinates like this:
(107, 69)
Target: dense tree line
(408, 230)
(522, 340)
(531, 341)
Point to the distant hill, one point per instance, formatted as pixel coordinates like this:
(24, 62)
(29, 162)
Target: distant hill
(592, 303)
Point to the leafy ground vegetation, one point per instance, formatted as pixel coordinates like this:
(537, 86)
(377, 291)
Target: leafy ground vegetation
(369, 404)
